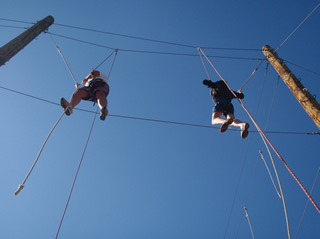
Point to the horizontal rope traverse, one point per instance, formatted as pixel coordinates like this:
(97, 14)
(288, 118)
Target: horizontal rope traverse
(151, 52)
(158, 120)
(138, 38)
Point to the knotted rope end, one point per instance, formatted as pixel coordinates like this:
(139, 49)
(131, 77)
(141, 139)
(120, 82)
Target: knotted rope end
(20, 187)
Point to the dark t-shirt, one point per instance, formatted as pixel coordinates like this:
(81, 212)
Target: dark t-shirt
(219, 90)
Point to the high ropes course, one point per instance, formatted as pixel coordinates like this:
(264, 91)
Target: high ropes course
(205, 60)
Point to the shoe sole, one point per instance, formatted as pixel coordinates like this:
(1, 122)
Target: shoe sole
(104, 114)
(225, 126)
(65, 104)
(245, 132)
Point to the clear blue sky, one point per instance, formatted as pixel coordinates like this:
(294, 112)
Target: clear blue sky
(145, 179)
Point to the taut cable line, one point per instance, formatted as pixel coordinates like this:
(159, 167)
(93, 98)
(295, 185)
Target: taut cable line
(64, 60)
(264, 136)
(76, 175)
(303, 21)
(158, 120)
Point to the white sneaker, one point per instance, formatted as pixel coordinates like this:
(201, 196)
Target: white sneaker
(67, 106)
(244, 130)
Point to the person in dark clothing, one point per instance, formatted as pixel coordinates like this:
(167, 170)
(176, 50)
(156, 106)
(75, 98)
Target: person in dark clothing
(222, 97)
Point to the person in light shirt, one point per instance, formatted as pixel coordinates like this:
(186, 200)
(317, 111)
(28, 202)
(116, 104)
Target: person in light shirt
(95, 89)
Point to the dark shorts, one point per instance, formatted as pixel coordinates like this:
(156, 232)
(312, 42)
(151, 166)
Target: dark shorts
(223, 106)
(97, 86)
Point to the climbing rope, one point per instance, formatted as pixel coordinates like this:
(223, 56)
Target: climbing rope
(21, 186)
(247, 216)
(114, 52)
(271, 178)
(304, 20)
(264, 135)
(252, 74)
(280, 187)
(266, 125)
(305, 208)
(85, 148)
(64, 60)
(76, 175)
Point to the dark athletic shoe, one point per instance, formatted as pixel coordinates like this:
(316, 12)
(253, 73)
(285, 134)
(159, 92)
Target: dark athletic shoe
(244, 130)
(103, 113)
(225, 126)
(67, 106)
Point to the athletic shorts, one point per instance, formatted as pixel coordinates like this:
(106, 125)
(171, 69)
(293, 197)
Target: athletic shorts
(102, 86)
(224, 106)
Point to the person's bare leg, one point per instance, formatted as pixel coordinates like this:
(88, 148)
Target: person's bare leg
(216, 118)
(101, 99)
(243, 127)
(228, 121)
(78, 96)
(102, 102)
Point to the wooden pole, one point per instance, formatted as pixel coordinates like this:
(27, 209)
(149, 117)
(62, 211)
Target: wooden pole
(304, 97)
(14, 46)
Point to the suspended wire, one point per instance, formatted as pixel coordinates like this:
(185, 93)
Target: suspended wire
(153, 52)
(64, 60)
(271, 178)
(305, 208)
(266, 126)
(245, 157)
(304, 68)
(304, 20)
(236, 193)
(247, 215)
(82, 41)
(230, 49)
(180, 54)
(143, 38)
(13, 27)
(266, 138)
(158, 120)
(157, 41)
(76, 175)
(127, 36)
(252, 74)
(21, 186)
(279, 184)
(114, 52)
(112, 64)
(272, 102)
(247, 149)
(204, 64)
(11, 20)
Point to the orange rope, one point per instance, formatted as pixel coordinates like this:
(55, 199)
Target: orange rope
(264, 136)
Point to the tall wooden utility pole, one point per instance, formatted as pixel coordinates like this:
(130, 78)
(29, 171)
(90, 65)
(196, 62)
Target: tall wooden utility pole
(307, 101)
(17, 44)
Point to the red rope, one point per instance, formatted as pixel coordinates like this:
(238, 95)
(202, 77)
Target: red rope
(266, 138)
